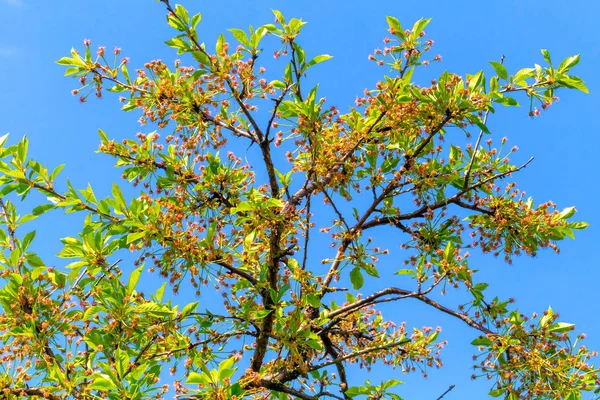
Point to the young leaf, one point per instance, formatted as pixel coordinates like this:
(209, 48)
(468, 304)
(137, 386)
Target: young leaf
(546, 55)
(568, 63)
(357, 278)
(395, 27)
(240, 36)
(318, 59)
(500, 69)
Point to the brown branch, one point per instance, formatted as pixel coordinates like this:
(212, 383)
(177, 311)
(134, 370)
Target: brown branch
(51, 191)
(446, 392)
(306, 235)
(236, 95)
(310, 187)
(296, 71)
(487, 112)
(525, 88)
(339, 214)
(367, 300)
(204, 115)
(339, 365)
(407, 294)
(337, 315)
(455, 199)
(468, 174)
(9, 228)
(237, 131)
(390, 188)
(144, 349)
(30, 391)
(275, 108)
(201, 343)
(280, 387)
(357, 354)
(455, 314)
(473, 207)
(238, 272)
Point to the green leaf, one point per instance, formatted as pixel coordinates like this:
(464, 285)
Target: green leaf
(405, 272)
(121, 362)
(189, 308)
(34, 260)
(3, 140)
(567, 213)
(155, 309)
(500, 69)
(419, 26)
(561, 327)
(395, 27)
(389, 164)
(546, 55)
(201, 57)
(313, 300)
(240, 36)
(318, 59)
(27, 240)
(174, 22)
(278, 84)
(182, 13)
(279, 17)
(476, 80)
(226, 364)
(573, 83)
(133, 279)
(118, 195)
(161, 291)
(354, 391)
(135, 236)
(197, 379)
(93, 310)
(449, 252)
(71, 252)
(568, 63)
(482, 341)
(578, 225)
(178, 44)
(506, 101)
(66, 61)
(547, 317)
(220, 43)
(195, 20)
(357, 278)
(101, 382)
(493, 84)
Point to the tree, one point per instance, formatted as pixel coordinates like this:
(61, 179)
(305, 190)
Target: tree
(293, 318)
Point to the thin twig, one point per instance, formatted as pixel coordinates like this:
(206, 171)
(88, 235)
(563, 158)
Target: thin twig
(357, 354)
(339, 214)
(485, 117)
(9, 228)
(455, 199)
(446, 392)
(306, 234)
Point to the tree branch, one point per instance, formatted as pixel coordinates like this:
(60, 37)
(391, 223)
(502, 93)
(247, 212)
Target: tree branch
(357, 354)
(442, 203)
(446, 392)
(31, 392)
(238, 272)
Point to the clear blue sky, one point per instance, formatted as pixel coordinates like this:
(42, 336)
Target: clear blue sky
(35, 100)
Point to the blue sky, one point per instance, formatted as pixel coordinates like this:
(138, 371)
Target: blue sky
(35, 100)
